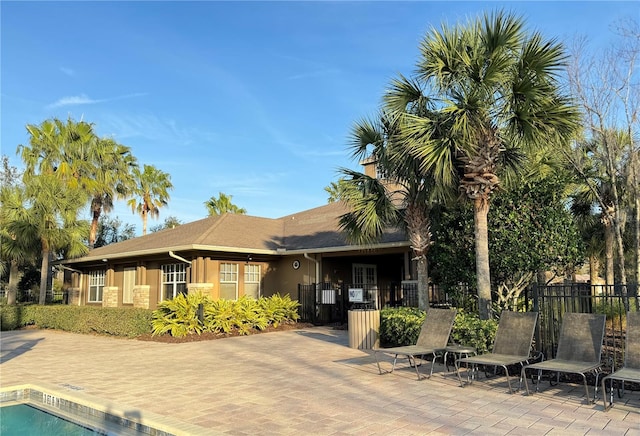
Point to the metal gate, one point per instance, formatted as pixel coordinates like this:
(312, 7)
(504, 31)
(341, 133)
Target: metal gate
(321, 304)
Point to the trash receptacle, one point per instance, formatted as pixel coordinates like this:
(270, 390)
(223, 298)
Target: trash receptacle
(364, 329)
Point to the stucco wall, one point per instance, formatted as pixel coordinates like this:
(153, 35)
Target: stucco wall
(278, 276)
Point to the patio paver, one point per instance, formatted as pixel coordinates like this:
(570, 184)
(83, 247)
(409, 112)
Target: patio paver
(295, 382)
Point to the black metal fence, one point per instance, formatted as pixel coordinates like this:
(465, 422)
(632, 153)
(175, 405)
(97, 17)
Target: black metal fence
(327, 303)
(552, 302)
(29, 296)
(321, 304)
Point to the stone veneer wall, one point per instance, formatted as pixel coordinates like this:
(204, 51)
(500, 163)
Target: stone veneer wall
(141, 296)
(205, 288)
(110, 296)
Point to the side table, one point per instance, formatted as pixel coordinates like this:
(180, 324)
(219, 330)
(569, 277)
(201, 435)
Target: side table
(458, 352)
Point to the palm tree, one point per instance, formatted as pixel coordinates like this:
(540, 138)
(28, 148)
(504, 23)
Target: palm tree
(15, 251)
(72, 151)
(599, 190)
(335, 190)
(114, 179)
(491, 88)
(401, 198)
(152, 192)
(222, 204)
(60, 148)
(49, 218)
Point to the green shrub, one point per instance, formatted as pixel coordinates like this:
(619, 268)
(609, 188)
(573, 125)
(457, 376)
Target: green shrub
(128, 322)
(179, 317)
(400, 326)
(9, 317)
(470, 330)
(279, 309)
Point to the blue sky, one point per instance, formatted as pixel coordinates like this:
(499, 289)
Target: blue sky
(252, 99)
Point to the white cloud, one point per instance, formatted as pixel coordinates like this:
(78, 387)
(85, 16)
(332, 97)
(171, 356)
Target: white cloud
(81, 99)
(68, 71)
(152, 128)
(73, 101)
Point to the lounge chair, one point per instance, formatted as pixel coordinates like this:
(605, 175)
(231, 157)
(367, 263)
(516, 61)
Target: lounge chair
(511, 346)
(579, 349)
(631, 369)
(432, 340)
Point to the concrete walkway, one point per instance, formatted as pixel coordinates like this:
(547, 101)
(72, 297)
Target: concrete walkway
(297, 382)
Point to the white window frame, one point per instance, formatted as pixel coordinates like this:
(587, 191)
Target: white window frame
(229, 275)
(96, 285)
(252, 275)
(173, 274)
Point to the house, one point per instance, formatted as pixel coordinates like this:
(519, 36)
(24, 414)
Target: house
(232, 255)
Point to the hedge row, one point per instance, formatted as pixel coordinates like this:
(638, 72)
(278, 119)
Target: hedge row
(401, 326)
(128, 322)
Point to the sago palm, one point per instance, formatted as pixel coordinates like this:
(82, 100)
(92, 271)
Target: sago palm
(492, 87)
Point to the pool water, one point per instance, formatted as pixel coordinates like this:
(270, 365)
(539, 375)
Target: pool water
(23, 419)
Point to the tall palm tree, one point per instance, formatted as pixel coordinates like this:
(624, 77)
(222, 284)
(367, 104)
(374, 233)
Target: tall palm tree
(599, 190)
(60, 148)
(222, 204)
(492, 87)
(73, 153)
(50, 217)
(150, 193)
(401, 197)
(114, 179)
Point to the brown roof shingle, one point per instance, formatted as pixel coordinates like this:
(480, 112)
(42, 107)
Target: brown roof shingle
(311, 229)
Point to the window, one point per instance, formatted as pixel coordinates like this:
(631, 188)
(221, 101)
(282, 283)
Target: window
(96, 286)
(174, 280)
(229, 281)
(129, 282)
(252, 281)
(364, 274)
(365, 277)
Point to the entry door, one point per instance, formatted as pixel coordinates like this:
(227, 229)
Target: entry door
(366, 276)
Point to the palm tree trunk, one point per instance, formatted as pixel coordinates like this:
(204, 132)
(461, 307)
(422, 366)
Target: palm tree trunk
(608, 254)
(483, 275)
(96, 210)
(44, 274)
(144, 222)
(423, 283)
(14, 278)
(594, 266)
